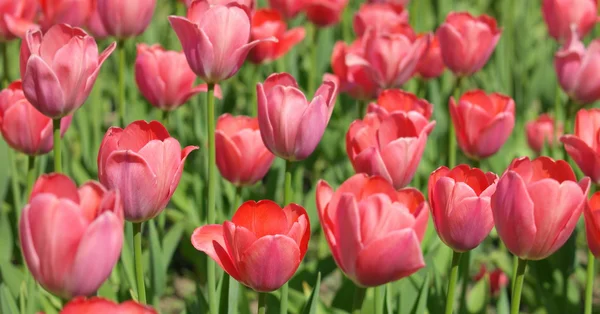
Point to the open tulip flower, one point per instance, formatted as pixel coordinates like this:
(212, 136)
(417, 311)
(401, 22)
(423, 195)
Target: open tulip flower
(268, 23)
(72, 12)
(374, 232)
(591, 214)
(393, 100)
(537, 205)
(16, 18)
(561, 15)
(261, 247)
(584, 145)
(103, 306)
(541, 132)
(324, 13)
(381, 17)
(353, 79)
(71, 238)
(125, 18)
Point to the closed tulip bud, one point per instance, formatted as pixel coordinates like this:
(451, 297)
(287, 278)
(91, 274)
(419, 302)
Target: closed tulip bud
(383, 17)
(290, 126)
(459, 200)
(60, 68)
(95, 25)
(584, 145)
(103, 306)
(124, 19)
(391, 148)
(262, 256)
(215, 39)
(17, 18)
(353, 79)
(242, 157)
(483, 122)
(145, 164)
(561, 15)
(287, 8)
(324, 13)
(63, 230)
(268, 23)
(591, 214)
(537, 205)
(467, 42)
(431, 64)
(72, 12)
(374, 232)
(23, 127)
(394, 100)
(541, 132)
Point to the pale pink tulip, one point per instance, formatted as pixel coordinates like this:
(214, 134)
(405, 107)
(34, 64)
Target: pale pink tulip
(124, 19)
(561, 15)
(72, 12)
(384, 17)
(584, 145)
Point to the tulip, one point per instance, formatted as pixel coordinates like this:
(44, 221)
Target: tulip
(537, 205)
(72, 12)
(459, 201)
(287, 8)
(393, 100)
(400, 2)
(383, 17)
(591, 214)
(353, 79)
(262, 256)
(541, 132)
(144, 163)
(248, 3)
(268, 23)
(242, 158)
(95, 25)
(60, 68)
(23, 127)
(483, 122)
(374, 232)
(16, 18)
(584, 145)
(561, 15)
(391, 148)
(124, 19)
(290, 126)
(576, 70)
(431, 64)
(63, 230)
(215, 39)
(498, 279)
(467, 42)
(101, 306)
(324, 13)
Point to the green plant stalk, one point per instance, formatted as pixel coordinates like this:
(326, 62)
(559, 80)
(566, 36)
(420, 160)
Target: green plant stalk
(122, 67)
(513, 278)
(14, 180)
(165, 118)
(138, 259)
(379, 295)
(4, 52)
(236, 199)
(30, 175)
(312, 73)
(262, 303)
(359, 297)
(589, 283)
(212, 193)
(466, 261)
(452, 282)
(558, 117)
(516, 295)
(287, 198)
(57, 147)
(451, 130)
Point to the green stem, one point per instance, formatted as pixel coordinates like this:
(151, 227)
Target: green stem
(57, 147)
(212, 191)
(14, 179)
(466, 262)
(558, 117)
(287, 198)
(237, 197)
(379, 296)
(4, 52)
(452, 283)
(589, 284)
(122, 66)
(165, 118)
(516, 296)
(514, 273)
(30, 175)
(359, 297)
(262, 303)
(139, 267)
(312, 73)
(347, 24)
(451, 130)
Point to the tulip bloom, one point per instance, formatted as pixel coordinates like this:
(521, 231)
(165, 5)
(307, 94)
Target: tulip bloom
(72, 12)
(215, 39)
(400, 2)
(23, 127)
(287, 8)
(541, 132)
(384, 17)
(591, 214)
(125, 18)
(467, 42)
(63, 230)
(483, 122)
(95, 25)
(374, 232)
(262, 256)
(324, 13)
(145, 164)
(290, 126)
(353, 79)
(459, 200)
(391, 148)
(242, 157)
(393, 100)
(16, 18)
(268, 23)
(431, 64)
(584, 145)
(102, 306)
(537, 205)
(60, 68)
(561, 15)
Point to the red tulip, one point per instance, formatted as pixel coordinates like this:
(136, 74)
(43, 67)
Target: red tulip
(384, 17)
(72, 12)
(483, 122)
(267, 23)
(103, 306)
(287, 8)
(242, 158)
(584, 145)
(324, 13)
(145, 164)
(261, 247)
(459, 200)
(591, 214)
(431, 64)
(16, 18)
(541, 132)
(391, 148)
(124, 19)
(63, 230)
(467, 42)
(537, 205)
(393, 100)
(562, 15)
(353, 79)
(498, 279)
(374, 232)
(400, 2)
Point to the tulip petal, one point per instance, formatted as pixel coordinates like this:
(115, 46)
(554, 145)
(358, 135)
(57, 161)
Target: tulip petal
(92, 78)
(349, 238)
(585, 157)
(42, 88)
(262, 218)
(198, 49)
(59, 185)
(492, 137)
(315, 119)
(209, 239)
(228, 157)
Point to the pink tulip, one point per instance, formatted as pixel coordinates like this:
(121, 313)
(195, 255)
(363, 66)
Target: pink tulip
(541, 132)
(353, 79)
(591, 214)
(215, 39)
(63, 230)
(483, 122)
(97, 305)
(144, 163)
(391, 148)
(290, 126)
(267, 23)
(467, 42)
(431, 64)
(16, 18)
(72, 12)
(95, 25)
(287, 8)
(383, 17)
(393, 100)
(584, 145)
(242, 158)
(374, 232)
(23, 127)
(261, 247)
(60, 68)
(248, 3)
(324, 13)
(459, 201)
(561, 15)
(400, 2)
(124, 19)
(537, 205)
(576, 68)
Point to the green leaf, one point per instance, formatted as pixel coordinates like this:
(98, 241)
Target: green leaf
(421, 303)
(502, 305)
(127, 255)
(170, 242)
(479, 296)
(11, 276)
(7, 301)
(313, 301)
(158, 278)
(6, 236)
(229, 293)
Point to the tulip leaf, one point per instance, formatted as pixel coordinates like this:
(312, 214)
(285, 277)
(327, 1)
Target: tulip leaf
(11, 276)
(157, 270)
(170, 242)
(7, 301)
(229, 295)
(313, 301)
(4, 174)
(421, 304)
(127, 256)
(478, 297)
(502, 305)
(6, 236)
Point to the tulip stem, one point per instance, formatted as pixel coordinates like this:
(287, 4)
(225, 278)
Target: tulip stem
(212, 185)
(30, 174)
(262, 303)
(236, 197)
(589, 283)
(451, 130)
(359, 297)
(312, 72)
(452, 283)
(516, 296)
(122, 65)
(466, 262)
(379, 299)
(57, 147)
(14, 179)
(558, 116)
(137, 256)
(287, 198)
(4, 51)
